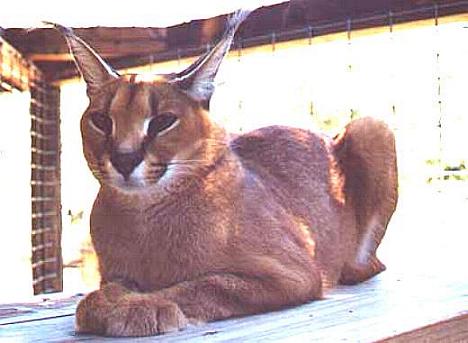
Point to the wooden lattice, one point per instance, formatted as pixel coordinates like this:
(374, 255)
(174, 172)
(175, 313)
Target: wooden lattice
(45, 183)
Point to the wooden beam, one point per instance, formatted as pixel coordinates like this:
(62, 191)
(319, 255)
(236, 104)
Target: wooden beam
(48, 45)
(15, 70)
(130, 47)
(286, 38)
(106, 49)
(47, 57)
(123, 33)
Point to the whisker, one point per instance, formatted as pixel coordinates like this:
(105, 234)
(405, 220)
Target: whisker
(186, 161)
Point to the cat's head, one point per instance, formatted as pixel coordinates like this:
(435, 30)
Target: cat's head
(139, 130)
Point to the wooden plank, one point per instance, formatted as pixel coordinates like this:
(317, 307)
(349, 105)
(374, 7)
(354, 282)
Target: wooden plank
(42, 308)
(391, 305)
(449, 331)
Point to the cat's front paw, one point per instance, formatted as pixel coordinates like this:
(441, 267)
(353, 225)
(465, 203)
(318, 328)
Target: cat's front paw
(91, 313)
(93, 310)
(144, 315)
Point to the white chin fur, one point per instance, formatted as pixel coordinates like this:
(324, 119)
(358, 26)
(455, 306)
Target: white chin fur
(135, 182)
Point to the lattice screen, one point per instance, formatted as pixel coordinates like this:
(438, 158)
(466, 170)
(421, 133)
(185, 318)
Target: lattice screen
(45, 183)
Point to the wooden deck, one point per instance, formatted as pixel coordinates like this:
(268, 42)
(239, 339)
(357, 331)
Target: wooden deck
(422, 297)
(395, 307)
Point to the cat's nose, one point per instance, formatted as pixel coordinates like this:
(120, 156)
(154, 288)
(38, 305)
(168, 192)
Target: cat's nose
(126, 162)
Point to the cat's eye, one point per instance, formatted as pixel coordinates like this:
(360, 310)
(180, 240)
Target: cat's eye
(102, 122)
(161, 124)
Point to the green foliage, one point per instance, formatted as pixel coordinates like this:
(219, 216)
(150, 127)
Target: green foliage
(433, 162)
(449, 172)
(461, 166)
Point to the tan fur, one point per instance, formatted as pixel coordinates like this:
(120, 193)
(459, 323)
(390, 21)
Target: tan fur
(251, 224)
(211, 226)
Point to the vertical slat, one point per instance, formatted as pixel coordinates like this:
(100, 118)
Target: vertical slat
(45, 184)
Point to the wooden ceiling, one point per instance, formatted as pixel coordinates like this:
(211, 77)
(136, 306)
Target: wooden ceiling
(128, 47)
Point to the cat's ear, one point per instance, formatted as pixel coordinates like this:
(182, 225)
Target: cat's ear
(92, 67)
(198, 79)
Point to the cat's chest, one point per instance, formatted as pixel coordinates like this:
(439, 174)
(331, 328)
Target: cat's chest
(153, 252)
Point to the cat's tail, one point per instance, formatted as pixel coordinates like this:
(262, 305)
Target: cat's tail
(366, 154)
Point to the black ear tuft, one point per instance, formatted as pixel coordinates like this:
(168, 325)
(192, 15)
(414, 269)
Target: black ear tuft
(92, 67)
(198, 79)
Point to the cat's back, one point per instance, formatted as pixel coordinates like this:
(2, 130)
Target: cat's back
(292, 159)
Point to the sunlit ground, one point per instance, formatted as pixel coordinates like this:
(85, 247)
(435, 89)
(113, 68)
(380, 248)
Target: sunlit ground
(412, 79)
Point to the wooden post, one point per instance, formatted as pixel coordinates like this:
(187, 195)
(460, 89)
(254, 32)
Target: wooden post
(19, 73)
